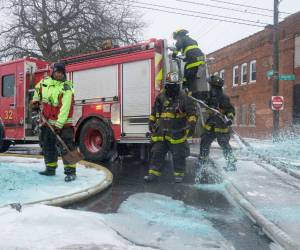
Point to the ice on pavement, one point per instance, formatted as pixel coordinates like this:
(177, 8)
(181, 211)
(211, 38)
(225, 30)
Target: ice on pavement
(285, 148)
(164, 223)
(144, 221)
(40, 227)
(21, 183)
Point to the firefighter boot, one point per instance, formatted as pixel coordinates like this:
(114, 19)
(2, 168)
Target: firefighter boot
(178, 179)
(70, 177)
(150, 178)
(231, 164)
(201, 174)
(70, 173)
(49, 171)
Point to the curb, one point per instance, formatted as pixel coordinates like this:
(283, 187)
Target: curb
(69, 199)
(269, 228)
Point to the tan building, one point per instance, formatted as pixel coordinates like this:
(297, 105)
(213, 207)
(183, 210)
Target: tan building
(244, 66)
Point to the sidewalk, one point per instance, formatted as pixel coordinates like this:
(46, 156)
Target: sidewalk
(269, 197)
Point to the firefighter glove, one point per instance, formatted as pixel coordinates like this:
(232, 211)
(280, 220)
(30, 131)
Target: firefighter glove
(35, 105)
(191, 128)
(152, 126)
(229, 122)
(57, 130)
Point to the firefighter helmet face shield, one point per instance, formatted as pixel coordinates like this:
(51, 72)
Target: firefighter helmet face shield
(172, 89)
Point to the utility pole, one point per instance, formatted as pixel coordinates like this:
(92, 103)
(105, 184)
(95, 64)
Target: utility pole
(275, 82)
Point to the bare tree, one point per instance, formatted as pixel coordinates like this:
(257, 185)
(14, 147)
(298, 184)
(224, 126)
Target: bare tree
(51, 29)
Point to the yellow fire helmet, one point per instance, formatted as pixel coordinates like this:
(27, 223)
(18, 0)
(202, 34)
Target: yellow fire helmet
(179, 32)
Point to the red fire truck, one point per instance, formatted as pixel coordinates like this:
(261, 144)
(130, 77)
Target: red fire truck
(114, 92)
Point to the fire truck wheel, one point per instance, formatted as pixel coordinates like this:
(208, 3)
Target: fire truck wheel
(95, 140)
(4, 145)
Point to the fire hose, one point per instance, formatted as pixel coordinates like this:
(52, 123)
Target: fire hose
(243, 143)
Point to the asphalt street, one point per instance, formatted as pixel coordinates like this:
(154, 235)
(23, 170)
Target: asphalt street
(226, 217)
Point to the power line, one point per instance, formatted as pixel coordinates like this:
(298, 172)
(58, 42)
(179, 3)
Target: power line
(225, 8)
(209, 30)
(247, 6)
(185, 14)
(241, 21)
(202, 13)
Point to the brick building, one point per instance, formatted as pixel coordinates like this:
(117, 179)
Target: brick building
(244, 66)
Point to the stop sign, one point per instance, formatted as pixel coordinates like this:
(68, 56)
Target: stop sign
(277, 102)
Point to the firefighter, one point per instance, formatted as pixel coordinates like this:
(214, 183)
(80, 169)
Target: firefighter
(55, 95)
(216, 126)
(107, 44)
(194, 58)
(171, 122)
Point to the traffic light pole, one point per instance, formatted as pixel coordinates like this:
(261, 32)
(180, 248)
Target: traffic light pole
(275, 82)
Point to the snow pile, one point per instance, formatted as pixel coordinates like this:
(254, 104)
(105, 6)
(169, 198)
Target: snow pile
(21, 183)
(46, 228)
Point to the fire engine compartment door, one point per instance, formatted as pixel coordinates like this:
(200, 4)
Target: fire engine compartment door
(136, 96)
(12, 100)
(91, 84)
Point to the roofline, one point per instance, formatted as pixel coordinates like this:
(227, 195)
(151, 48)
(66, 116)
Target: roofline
(99, 52)
(27, 58)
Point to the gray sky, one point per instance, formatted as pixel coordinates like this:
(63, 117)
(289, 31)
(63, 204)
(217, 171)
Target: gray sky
(210, 34)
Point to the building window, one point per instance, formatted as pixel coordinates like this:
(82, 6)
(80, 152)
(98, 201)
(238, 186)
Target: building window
(252, 111)
(253, 71)
(235, 76)
(8, 85)
(297, 51)
(235, 120)
(244, 73)
(222, 74)
(243, 115)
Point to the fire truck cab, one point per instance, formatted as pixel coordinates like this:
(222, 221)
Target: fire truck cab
(114, 91)
(17, 80)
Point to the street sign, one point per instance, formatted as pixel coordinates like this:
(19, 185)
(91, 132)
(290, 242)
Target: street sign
(287, 77)
(282, 77)
(277, 102)
(270, 73)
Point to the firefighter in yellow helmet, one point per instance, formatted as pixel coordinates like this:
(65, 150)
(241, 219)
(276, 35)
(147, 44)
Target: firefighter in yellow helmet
(172, 121)
(194, 57)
